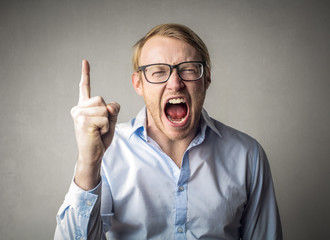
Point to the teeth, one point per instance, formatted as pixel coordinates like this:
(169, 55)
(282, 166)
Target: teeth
(177, 121)
(176, 100)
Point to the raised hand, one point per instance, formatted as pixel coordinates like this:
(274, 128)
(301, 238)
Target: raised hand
(94, 122)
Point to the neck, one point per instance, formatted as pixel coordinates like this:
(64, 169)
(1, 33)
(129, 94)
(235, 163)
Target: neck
(174, 148)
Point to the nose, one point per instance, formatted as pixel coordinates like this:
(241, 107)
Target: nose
(174, 82)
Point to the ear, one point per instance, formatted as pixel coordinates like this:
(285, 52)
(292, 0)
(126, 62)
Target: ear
(137, 83)
(208, 79)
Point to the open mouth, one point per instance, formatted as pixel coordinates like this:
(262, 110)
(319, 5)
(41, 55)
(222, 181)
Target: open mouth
(176, 110)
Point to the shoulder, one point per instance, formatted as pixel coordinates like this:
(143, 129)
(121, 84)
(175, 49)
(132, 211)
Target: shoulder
(230, 136)
(235, 144)
(242, 149)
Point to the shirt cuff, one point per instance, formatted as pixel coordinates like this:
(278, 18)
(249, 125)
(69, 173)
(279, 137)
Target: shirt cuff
(84, 201)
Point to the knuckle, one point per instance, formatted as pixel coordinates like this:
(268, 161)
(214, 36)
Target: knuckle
(73, 112)
(76, 112)
(99, 100)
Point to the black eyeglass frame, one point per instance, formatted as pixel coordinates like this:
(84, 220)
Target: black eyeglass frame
(142, 68)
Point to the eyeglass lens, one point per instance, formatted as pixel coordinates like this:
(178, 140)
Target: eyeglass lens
(161, 72)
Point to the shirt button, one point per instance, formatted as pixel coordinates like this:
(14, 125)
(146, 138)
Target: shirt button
(181, 188)
(180, 229)
(89, 203)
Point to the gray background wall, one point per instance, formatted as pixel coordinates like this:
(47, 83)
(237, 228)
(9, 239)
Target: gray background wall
(270, 79)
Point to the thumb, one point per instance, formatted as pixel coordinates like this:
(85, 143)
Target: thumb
(113, 109)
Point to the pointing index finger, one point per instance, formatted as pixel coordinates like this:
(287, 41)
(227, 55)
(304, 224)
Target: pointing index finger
(84, 85)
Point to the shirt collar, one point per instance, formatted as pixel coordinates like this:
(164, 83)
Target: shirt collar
(139, 124)
(207, 121)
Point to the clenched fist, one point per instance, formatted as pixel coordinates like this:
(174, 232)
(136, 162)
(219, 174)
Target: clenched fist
(94, 123)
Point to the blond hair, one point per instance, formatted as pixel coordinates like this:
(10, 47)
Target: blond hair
(176, 31)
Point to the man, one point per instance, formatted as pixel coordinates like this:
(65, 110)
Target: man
(172, 172)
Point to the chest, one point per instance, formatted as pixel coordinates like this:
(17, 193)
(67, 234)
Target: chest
(206, 197)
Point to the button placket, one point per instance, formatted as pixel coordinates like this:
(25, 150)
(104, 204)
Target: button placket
(181, 201)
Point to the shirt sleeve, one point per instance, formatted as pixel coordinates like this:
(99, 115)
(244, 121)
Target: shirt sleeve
(261, 218)
(79, 216)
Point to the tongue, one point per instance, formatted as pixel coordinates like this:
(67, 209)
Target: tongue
(176, 111)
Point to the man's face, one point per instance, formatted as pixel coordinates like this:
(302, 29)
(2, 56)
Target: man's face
(173, 107)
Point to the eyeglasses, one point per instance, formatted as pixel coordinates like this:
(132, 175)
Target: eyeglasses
(161, 72)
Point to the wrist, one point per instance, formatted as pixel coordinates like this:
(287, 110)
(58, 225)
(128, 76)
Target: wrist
(87, 176)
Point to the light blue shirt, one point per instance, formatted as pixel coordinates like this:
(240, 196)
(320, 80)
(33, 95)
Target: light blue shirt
(223, 190)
